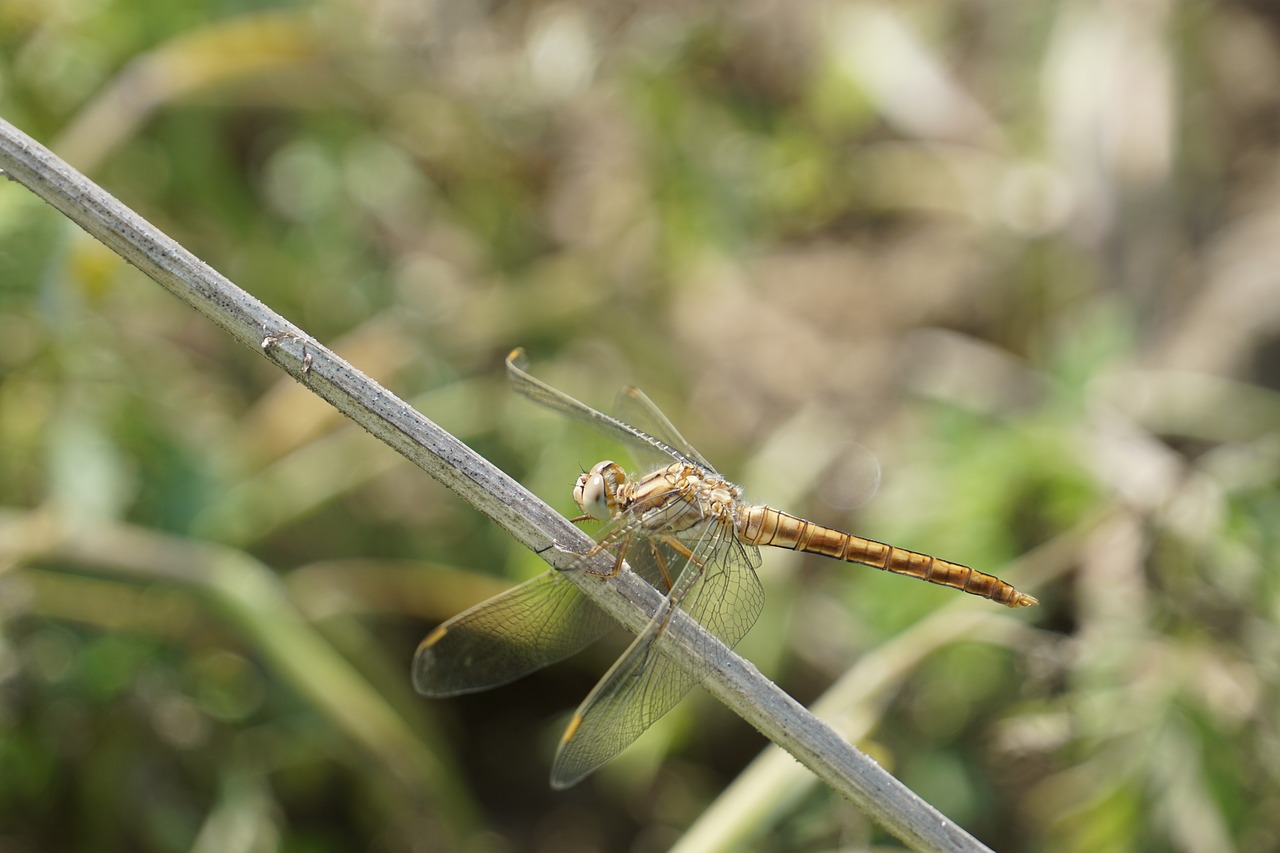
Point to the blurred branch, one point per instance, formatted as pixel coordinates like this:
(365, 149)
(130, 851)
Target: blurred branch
(251, 596)
(536, 525)
(239, 49)
(855, 703)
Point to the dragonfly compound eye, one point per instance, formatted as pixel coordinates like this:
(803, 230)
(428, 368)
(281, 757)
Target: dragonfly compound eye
(591, 494)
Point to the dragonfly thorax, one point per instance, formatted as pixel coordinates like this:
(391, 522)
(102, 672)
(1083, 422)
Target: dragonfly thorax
(678, 498)
(681, 499)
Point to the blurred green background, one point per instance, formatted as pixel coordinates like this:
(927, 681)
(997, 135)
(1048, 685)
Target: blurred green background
(997, 282)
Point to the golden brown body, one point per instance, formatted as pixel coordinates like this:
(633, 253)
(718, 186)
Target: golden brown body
(681, 499)
(687, 531)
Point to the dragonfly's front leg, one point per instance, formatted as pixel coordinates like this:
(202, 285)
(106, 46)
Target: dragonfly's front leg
(619, 555)
(599, 548)
(591, 553)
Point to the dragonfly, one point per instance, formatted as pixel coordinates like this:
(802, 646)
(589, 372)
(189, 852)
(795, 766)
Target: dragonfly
(689, 533)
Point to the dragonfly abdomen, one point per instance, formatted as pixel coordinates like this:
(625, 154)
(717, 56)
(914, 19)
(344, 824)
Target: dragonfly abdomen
(764, 525)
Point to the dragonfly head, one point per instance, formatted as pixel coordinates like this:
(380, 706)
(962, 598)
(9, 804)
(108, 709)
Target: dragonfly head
(596, 492)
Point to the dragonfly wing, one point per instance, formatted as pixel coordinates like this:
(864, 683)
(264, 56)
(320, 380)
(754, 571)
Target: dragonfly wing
(651, 447)
(724, 595)
(532, 625)
(635, 408)
(537, 623)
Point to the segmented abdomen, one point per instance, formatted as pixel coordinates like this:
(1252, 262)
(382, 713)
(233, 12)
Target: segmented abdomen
(764, 525)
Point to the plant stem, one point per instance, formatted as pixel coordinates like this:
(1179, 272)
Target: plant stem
(534, 524)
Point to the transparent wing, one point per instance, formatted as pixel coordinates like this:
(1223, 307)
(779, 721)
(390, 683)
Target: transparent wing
(511, 635)
(636, 409)
(532, 625)
(724, 595)
(649, 447)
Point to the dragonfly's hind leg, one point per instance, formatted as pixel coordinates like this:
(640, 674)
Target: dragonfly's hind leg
(662, 565)
(680, 548)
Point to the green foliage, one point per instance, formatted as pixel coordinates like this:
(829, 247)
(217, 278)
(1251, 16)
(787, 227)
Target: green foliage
(1019, 256)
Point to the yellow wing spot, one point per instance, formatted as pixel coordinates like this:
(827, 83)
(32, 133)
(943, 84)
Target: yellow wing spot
(571, 729)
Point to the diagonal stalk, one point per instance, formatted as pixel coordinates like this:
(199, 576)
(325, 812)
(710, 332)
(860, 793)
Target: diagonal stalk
(534, 524)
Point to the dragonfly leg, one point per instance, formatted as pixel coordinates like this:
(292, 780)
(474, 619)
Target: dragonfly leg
(556, 546)
(621, 553)
(679, 548)
(662, 565)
